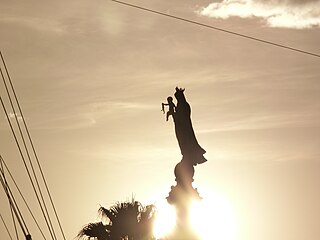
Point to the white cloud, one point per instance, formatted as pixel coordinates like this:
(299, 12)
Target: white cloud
(274, 14)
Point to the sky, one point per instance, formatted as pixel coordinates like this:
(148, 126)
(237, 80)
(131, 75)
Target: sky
(91, 77)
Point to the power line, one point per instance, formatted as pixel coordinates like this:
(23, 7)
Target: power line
(14, 205)
(33, 147)
(24, 200)
(4, 223)
(28, 154)
(24, 162)
(217, 28)
(14, 222)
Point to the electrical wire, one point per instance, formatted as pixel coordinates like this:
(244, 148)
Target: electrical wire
(28, 155)
(217, 28)
(14, 208)
(33, 147)
(23, 198)
(24, 162)
(13, 204)
(14, 222)
(4, 223)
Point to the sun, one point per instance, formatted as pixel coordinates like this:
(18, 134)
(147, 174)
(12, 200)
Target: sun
(165, 220)
(211, 218)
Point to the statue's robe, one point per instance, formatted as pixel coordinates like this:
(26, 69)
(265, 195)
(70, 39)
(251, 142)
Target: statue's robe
(190, 149)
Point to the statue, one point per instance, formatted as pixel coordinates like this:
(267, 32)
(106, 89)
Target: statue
(171, 105)
(191, 151)
(183, 193)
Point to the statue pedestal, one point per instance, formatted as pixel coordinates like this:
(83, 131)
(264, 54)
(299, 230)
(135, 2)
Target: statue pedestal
(181, 196)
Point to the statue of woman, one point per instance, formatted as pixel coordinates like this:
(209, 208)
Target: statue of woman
(191, 151)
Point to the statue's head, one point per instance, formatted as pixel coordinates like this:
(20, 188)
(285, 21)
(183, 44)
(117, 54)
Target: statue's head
(169, 99)
(180, 89)
(179, 95)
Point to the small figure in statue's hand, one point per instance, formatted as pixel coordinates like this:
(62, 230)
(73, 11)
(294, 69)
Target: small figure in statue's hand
(172, 107)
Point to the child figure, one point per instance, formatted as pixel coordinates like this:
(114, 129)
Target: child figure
(171, 105)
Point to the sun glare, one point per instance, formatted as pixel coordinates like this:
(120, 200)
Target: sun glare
(213, 218)
(165, 221)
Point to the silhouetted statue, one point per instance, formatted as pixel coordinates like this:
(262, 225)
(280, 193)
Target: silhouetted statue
(171, 105)
(183, 193)
(190, 149)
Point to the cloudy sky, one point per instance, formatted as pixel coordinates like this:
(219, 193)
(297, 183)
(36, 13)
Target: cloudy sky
(91, 76)
(283, 14)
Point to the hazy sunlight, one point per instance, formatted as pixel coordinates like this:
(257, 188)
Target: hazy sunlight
(166, 219)
(213, 218)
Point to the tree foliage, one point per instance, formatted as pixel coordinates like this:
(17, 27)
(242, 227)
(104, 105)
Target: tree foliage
(128, 220)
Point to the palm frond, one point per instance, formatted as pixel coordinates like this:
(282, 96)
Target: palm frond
(106, 213)
(148, 212)
(97, 230)
(127, 220)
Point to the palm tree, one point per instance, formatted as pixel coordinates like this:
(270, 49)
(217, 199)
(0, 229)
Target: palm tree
(125, 221)
(94, 230)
